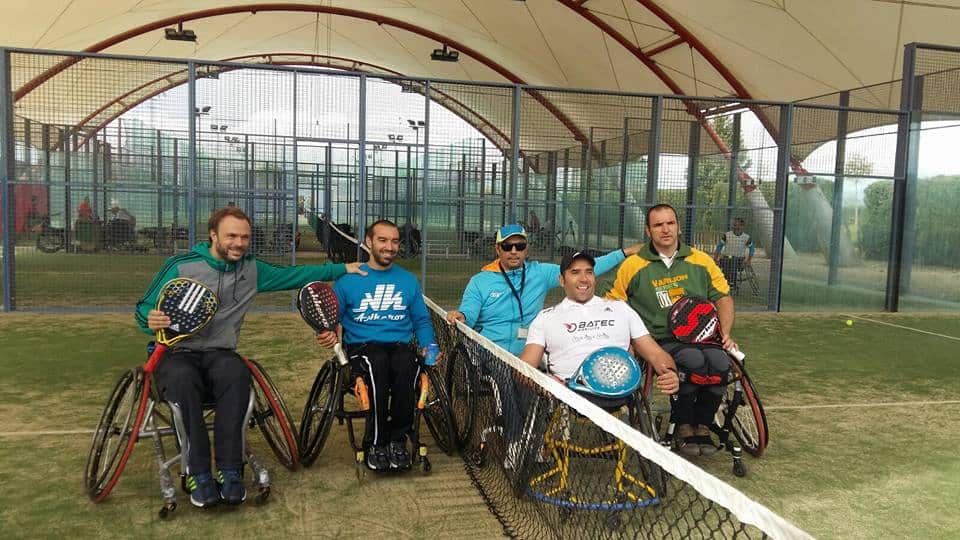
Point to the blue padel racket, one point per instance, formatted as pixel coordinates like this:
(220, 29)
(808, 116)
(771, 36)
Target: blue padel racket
(609, 372)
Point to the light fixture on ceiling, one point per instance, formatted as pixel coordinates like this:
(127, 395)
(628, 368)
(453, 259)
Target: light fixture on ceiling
(445, 55)
(179, 34)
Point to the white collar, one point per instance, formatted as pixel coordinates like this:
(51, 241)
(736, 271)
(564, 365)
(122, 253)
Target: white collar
(572, 303)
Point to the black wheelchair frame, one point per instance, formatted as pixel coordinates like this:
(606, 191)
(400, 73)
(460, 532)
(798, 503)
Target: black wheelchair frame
(327, 401)
(740, 414)
(133, 412)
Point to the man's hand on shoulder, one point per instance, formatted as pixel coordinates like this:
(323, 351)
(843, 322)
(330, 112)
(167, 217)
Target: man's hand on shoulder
(354, 268)
(633, 250)
(157, 319)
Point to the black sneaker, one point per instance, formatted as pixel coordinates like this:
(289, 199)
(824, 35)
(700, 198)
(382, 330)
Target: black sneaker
(231, 486)
(377, 458)
(203, 490)
(399, 457)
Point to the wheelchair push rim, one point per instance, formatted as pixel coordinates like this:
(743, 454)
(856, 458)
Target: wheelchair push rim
(437, 416)
(318, 413)
(116, 434)
(461, 382)
(273, 418)
(749, 425)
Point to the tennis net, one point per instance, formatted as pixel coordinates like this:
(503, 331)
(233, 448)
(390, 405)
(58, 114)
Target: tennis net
(552, 464)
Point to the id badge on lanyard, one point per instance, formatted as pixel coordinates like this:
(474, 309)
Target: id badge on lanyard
(521, 330)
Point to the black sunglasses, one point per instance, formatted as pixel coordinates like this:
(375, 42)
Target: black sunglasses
(519, 246)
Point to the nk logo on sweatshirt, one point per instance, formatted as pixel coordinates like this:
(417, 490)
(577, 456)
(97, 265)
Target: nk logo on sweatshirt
(384, 298)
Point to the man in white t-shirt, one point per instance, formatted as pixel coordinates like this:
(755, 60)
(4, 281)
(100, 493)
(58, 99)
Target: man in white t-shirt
(583, 323)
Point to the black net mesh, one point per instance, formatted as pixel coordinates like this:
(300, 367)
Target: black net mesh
(546, 470)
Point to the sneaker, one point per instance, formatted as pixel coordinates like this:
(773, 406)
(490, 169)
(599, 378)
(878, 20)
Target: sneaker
(685, 442)
(378, 458)
(399, 457)
(702, 437)
(203, 490)
(231, 486)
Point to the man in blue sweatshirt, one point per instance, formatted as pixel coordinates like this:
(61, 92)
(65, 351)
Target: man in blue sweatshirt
(380, 313)
(207, 363)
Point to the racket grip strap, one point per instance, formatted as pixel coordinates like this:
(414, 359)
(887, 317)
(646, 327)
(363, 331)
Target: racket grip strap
(736, 353)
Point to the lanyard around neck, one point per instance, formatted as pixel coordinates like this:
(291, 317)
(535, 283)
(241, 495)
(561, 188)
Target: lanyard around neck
(523, 282)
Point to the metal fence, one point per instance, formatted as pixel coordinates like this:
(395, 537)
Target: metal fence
(90, 141)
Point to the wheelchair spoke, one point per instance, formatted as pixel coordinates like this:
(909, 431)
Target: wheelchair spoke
(318, 412)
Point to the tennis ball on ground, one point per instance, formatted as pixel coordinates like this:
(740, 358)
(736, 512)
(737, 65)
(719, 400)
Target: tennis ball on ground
(849, 322)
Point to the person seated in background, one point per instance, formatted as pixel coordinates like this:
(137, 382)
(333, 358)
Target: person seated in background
(583, 322)
(734, 252)
(85, 211)
(122, 225)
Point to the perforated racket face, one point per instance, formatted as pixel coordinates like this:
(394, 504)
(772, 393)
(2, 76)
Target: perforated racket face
(319, 306)
(693, 319)
(610, 371)
(190, 306)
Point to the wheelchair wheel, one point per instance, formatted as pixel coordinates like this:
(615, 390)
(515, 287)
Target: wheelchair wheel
(750, 422)
(115, 436)
(318, 412)
(461, 382)
(437, 415)
(273, 418)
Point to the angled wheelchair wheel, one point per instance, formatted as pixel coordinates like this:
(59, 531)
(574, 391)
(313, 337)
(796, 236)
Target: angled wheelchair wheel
(273, 418)
(749, 425)
(116, 435)
(437, 414)
(461, 382)
(318, 412)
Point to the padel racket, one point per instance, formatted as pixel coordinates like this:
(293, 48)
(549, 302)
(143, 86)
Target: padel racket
(694, 319)
(190, 306)
(608, 372)
(320, 309)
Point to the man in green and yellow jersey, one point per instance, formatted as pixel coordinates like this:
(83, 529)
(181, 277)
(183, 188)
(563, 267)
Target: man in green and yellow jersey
(663, 271)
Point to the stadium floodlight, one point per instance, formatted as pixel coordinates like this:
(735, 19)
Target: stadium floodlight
(179, 34)
(445, 55)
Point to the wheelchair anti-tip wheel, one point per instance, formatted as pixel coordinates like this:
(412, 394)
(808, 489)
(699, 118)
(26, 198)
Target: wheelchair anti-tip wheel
(273, 418)
(319, 412)
(115, 435)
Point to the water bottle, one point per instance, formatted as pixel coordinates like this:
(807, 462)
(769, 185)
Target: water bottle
(433, 350)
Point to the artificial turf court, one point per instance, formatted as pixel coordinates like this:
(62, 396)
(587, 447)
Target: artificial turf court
(863, 422)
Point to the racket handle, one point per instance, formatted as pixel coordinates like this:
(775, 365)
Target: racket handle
(341, 358)
(736, 353)
(158, 351)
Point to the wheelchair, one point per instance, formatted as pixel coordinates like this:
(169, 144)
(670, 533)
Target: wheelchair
(556, 444)
(740, 414)
(328, 400)
(135, 410)
(738, 272)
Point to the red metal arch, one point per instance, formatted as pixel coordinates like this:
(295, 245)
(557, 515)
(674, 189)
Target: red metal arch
(272, 59)
(344, 12)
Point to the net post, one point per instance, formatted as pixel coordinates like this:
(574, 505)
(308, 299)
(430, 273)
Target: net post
(7, 169)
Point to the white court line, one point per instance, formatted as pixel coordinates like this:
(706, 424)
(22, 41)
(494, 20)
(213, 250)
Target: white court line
(955, 338)
(858, 405)
(38, 433)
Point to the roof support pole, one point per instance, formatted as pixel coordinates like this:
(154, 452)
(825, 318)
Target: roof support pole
(7, 170)
(836, 226)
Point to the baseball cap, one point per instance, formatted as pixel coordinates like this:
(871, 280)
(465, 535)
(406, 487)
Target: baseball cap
(568, 260)
(514, 229)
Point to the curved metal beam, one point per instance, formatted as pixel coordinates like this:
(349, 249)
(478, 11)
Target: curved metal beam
(306, 8)
(271, 59)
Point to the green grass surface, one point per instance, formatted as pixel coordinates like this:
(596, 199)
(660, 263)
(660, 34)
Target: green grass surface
(875, 463)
